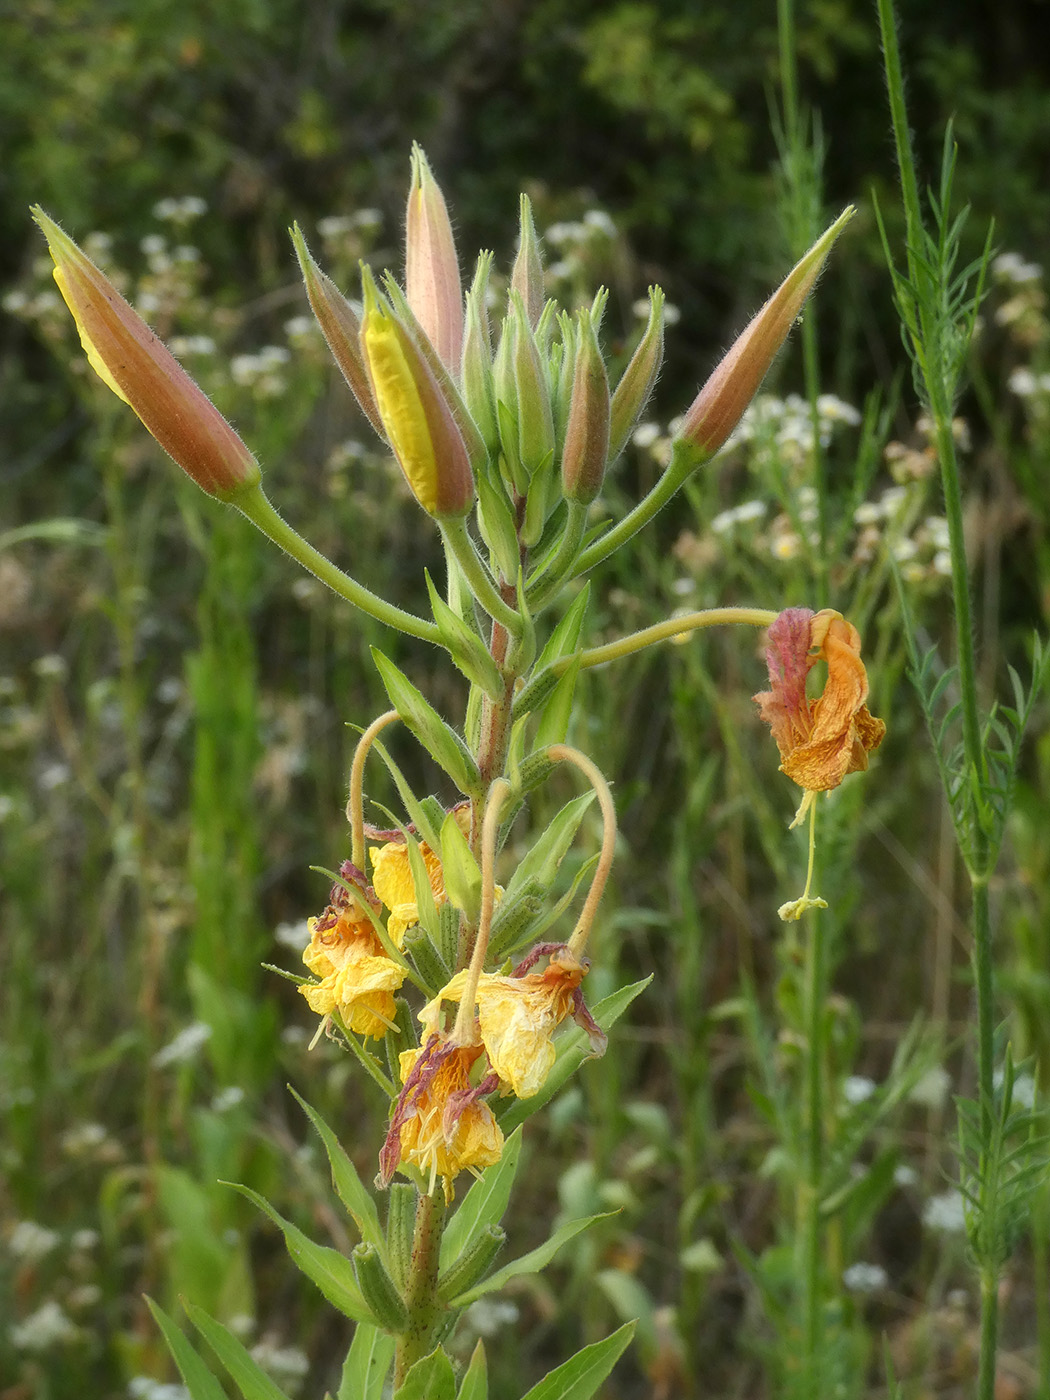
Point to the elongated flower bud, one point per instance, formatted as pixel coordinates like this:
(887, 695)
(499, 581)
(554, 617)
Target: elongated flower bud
(476, 366)
(586, 449)
(417, 420)
(130, 360)
(340, 327)
(532, 393)
(432, 283)
(526, 276)
(637, 381)
(720, 404)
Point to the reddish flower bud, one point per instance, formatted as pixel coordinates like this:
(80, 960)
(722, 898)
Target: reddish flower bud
(340, 327)
(526, 276)
(586, 449)
(720, 404)
(432, 282)
(637, 381)
(131, 361)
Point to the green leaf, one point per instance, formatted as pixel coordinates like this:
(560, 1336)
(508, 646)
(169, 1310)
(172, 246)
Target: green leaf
(580, 1377)
(429, 1379)
(464, 646)
(573, 1049)
(250, 1379)
(367, 1364)
(475, 1382)
(460, 869)
(530, 1263)
(331, 1271)
(557, 710)
(565, 638)
(438, 738)
(200, 1382)
(543, 858)
(417, 813)
(348, 1185)
(484, 1203)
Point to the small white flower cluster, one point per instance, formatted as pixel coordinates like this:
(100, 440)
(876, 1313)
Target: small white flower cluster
(180, 211)
(787, 428)
(945, 1213)
(339, 225)
(288, 1366)
(865, 1278)
(1016, 270)
(146, 1388)
(261, 372)
(184, 1046)
(49, 1326)
(1026, 384)
(30, 1241)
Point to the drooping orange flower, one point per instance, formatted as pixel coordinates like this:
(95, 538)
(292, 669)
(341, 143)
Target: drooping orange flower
(821, 740)
(439, 1123)
(358, 979)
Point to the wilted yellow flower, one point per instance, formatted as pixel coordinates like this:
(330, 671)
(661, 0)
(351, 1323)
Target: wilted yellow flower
(393, 883)
(439, 1123)
(358, 979)
(518, 1015)
(821, 740)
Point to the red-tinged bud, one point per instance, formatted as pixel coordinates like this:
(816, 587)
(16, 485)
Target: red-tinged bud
(526, 276)
(586, 449)
(417, 420)
(340, 326)
(431, 268)
(130, 360)
(720, 404)
(638, 379)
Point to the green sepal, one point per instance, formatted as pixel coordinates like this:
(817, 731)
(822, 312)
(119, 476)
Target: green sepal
(573, 1048)
(331, 1271)
(402, 1197)
(580, 1377)
(475, 1382)
(514, 474)
(438, 738)
(540, 500)
(561, 392)
(348, 1185)
(467, 650)
(367, 1363)
(496, 523)
(198, 1379)
(425, 958)
(476, 360)
(484, 1204)
(557, 710)
(530, 1263)
(460, 870)
(473, 1263)
(248, 1376)
(378, 1289)
(432, 1378)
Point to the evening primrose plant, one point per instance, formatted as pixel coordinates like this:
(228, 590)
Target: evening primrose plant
(462, 999)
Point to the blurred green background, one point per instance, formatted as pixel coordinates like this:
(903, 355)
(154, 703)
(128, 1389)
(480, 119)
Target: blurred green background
(173, 695)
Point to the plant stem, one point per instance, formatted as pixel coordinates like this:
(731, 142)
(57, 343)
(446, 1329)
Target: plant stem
(661, 631)
(421, 1292)
(259, 510)
(809, 1203)
(481, 583)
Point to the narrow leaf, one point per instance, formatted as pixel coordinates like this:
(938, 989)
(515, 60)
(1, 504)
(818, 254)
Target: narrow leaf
(200, 1382)
(475, 1382)
(331, 1271)
(250, 1379)
(367, 1364)
(348, 1185)
(580, 1377)
(530, 1263)
(484, 1203)
(429, 1379)
(438, 738)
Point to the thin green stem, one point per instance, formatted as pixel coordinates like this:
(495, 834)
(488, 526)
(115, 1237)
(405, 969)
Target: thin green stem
(254, 503)
(812, 1233)
(662, 631)
(685, 458)
(479, 580)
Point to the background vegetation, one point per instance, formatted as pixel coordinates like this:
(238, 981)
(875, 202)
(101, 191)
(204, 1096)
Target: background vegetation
(173, 696)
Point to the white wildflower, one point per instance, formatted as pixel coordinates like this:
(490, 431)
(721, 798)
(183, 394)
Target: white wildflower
(44, 1329)
(857, 1088)
(865, 1278)
(31, 1241)
(945, 1213)
(184, 1046)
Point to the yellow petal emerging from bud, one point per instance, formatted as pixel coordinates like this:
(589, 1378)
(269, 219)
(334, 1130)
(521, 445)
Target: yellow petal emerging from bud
(720, 404)
(417, 418)
(431, 269)
(131, 361)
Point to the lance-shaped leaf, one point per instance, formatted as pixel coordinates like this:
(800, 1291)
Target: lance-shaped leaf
(340, 327)
(367, 1364)
(200, 1382)
(475, 1382)
(432, 1378)
(720, 404)
(485, 1202)
(460, 869)
(246, 1373)
(438, 738)
(580, 1377)
(464, 646)
(530, 1263)
(348, 1185)
(331, 1271)
(130, 360)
